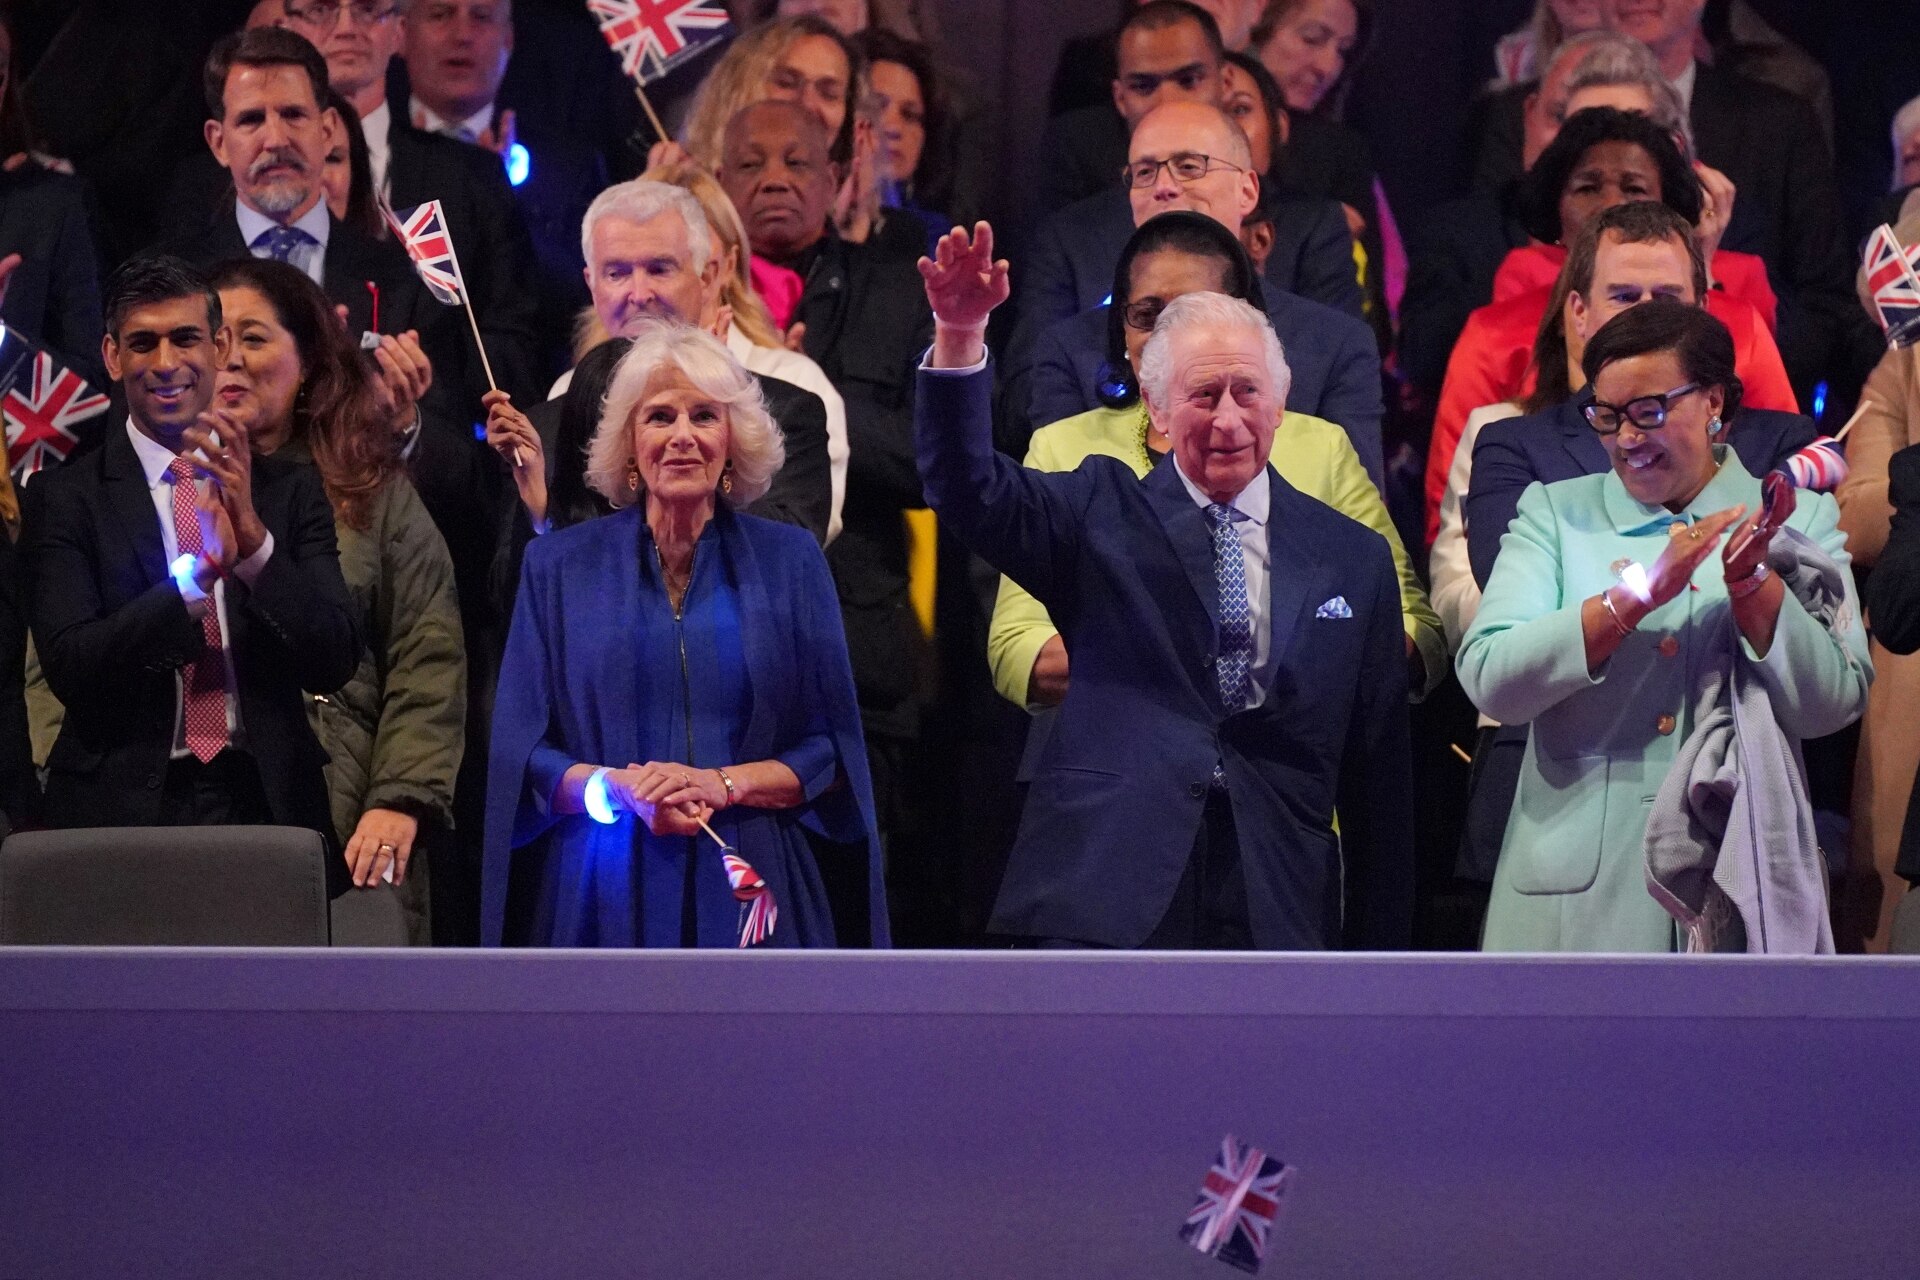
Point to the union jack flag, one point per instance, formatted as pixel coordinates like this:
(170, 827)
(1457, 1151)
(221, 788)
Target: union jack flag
(1894, 284)
(423, 230)
(652, 37)
(1238, 1203)
(42, 412)
(758, 911)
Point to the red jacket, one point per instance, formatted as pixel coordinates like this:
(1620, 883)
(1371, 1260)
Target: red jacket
(1739, 275)
(1493, 362)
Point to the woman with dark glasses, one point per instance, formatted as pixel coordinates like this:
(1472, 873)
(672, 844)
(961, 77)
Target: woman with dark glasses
(1624, 611)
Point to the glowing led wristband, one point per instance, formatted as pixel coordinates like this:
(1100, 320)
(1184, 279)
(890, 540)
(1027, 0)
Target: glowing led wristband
(599, 806)
(181, 571)
(1633, 576)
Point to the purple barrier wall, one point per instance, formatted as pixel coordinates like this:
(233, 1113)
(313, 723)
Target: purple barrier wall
(302, 1114)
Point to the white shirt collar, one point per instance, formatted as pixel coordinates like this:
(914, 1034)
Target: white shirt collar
(1253, 502)
(316, 222)
(425, 117)
(1683, 84)
(155, 458)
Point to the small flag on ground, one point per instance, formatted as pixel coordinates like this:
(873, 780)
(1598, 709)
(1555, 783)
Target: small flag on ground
(758, 912)
(43, 411)
(423, 231)
(1892, 280)
(1822, 465)
(652, 37)
(1238, 1203)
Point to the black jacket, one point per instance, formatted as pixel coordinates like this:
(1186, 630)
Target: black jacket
(1893, 602)
(112, 634)
(53, 296)
(1453, 254)
(867, 326)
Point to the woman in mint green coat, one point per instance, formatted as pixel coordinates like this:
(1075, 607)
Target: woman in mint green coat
(1594, 628)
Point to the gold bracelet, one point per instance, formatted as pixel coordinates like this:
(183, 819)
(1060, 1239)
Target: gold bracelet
(727, 782)
(1619, 623)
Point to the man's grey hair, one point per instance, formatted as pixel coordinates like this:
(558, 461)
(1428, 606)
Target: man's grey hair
(1607, 58)
(643, 200)
(1191, 310)
(1905, 121)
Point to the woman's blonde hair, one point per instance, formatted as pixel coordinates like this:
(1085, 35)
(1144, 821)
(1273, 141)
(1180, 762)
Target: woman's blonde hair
(755, 448)
(739, 80)
(736, 285)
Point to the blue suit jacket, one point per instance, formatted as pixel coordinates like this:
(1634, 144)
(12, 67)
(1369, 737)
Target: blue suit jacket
(1335, 363)
(1557, 444)
(1070, 265)
(1125, 566)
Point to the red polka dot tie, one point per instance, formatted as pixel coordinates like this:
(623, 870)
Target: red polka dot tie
(204, 684)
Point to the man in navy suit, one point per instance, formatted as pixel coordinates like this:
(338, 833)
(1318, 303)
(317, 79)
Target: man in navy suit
(1238, 664)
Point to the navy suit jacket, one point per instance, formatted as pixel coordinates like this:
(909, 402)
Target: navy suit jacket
(1335, 363)
(1070, 266)
(1126, 568)
(1557, 444)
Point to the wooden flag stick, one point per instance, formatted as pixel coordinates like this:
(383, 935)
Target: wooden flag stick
(653, 117)
(1858, 414)
(715, 834)
(519, 458)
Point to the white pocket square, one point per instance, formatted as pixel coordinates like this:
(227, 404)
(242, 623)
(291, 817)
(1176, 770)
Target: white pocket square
(1334, 608)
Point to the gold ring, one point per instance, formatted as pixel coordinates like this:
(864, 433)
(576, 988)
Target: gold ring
(385, 845)
(1694, 534)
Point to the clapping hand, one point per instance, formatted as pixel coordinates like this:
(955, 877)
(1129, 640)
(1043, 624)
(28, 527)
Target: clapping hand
(1747, 550)
(405, 374)
(219, 445)
(1687, 548)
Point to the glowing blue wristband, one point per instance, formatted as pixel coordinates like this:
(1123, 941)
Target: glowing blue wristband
(599, 806)
(182, 571)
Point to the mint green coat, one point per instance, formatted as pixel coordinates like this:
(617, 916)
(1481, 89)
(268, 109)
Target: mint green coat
(1572, 874)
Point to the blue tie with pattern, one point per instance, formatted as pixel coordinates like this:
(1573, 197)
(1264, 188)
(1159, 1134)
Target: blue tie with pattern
(1235, 667)
(280, 242)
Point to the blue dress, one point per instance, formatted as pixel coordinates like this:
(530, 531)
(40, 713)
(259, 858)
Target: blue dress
(600, 670)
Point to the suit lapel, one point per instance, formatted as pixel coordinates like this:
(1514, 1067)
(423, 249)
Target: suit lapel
(1581, 441)
(1293, 576)
(131, 502)
(1188, 536)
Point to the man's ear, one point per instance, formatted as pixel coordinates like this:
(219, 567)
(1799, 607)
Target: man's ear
(332, 128)
(222, 346)
(1249, 194)
(1577, 308)
(215, 133)
(1119, 102)
(110, 356)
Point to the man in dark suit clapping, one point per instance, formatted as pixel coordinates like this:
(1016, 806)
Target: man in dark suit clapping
(182, 593)
(1238, 663)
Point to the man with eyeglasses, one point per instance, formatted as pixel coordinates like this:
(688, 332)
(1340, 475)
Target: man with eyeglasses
(1189, 155)
(359, 40)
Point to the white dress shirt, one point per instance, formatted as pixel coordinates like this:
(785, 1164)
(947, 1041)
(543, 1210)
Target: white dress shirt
(1256, 553)
(310, 258)
(1683, 85)
(155, 459)
(426, 118)
(373, 127)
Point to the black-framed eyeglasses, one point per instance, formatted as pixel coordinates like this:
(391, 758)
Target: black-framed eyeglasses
(1185, 166)
(1647, 413)
(1144, 314)
(324, 13)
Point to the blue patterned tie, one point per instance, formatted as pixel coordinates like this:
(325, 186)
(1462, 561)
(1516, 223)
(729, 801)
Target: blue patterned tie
(280, 242)
(1235, 666)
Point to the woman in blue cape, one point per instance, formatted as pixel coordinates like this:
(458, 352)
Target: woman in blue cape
(675, 663)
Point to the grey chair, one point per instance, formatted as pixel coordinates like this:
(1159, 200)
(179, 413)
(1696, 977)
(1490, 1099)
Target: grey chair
(165, 886)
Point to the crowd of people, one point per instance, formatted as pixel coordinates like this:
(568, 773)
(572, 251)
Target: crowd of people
(758, 556)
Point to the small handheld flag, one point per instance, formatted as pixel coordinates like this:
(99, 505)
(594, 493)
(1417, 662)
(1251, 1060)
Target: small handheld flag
(43, 412)
(1894, 285)
(1822, 465)
(652, 37)
(758, 911)
(423, 231)
(1238, 1204)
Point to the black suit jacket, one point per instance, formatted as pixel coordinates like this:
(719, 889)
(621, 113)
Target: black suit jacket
(1453, 254)
(1557, 444)
(19, 783)
(867, 327)
(113, 633)
(1126, 568)
(1070, 265)
(1893, 604)
(1085, 151)
(53, 296)
(496, 251)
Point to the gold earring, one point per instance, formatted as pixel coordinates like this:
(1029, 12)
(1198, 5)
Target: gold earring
(726, 477)
(633, 477)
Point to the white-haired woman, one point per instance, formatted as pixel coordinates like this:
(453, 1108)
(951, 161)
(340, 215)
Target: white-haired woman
(676, 663)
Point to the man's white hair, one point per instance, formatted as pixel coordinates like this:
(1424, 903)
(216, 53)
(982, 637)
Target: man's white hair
(643, 200)
(1905, 121)
(1193, 310)
(1607, 58)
